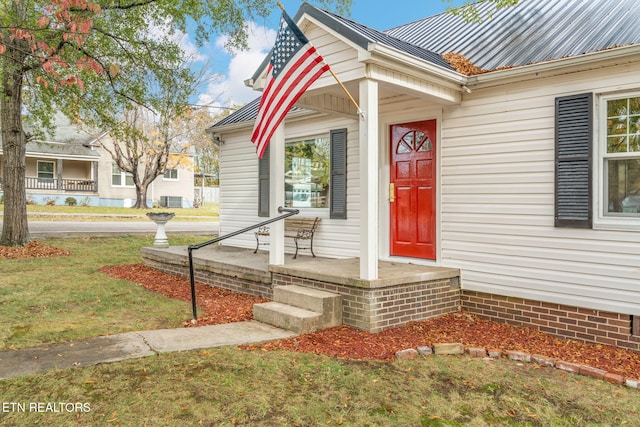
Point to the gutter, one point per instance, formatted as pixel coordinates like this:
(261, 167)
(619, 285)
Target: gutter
(555, 67)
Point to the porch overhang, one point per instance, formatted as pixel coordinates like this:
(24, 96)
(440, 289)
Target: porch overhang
(53, 156)
(409, 74)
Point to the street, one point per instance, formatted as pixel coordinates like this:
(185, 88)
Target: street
(50, 229)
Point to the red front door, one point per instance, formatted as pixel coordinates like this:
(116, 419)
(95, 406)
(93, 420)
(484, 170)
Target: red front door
(413, 189)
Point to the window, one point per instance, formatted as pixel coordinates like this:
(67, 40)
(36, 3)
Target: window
(621, 156)
(171, 175)
(307, 173)
(120, 178)
(315, 175)
(611, 199)
(45, 171)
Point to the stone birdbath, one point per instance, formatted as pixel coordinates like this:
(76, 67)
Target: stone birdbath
(160, 218)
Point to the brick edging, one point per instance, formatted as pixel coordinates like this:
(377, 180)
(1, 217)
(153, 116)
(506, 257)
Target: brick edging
(458, 349)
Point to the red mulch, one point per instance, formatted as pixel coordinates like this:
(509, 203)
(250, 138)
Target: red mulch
(348, 343)
(215, 305)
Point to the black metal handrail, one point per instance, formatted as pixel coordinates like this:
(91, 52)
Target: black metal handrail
(191, 248)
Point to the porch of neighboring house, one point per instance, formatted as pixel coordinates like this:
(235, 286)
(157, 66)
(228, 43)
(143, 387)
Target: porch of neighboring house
(61, 184)
(401, 293)
(60, 175)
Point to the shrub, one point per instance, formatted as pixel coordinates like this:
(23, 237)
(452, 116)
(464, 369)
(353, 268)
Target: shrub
(70, 201)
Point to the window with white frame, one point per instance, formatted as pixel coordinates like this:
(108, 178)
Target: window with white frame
(120, 178)
(620, 151)
(46, 171)
(315, 175)
(307, 173)
(171, 175)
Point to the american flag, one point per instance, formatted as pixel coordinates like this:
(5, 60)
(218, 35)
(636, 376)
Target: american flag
(295, 65)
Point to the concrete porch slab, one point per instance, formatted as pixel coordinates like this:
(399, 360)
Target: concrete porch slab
(244, 263)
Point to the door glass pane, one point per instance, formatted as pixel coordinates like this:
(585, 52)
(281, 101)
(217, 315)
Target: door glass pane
(426, 145)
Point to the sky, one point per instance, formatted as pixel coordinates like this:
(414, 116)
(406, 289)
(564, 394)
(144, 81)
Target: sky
(225, 72)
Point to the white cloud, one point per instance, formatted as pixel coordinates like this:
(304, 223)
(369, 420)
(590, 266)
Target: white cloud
(190, 50)
(228, 84)
(161, 30)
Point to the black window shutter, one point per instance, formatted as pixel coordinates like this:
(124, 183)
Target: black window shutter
(574, 140)
(263, 184)
(338, 190)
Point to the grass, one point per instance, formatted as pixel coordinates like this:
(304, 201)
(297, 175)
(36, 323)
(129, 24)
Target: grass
(58, 299)
(63, 298)
(231, 387)
(208, 212)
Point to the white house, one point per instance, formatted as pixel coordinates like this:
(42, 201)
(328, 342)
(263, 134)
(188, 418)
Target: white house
(515, 159)
(75, 166)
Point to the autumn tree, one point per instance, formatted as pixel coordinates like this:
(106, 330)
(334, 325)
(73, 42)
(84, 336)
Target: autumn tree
(150, 146)
(75, 56)
(206, 147)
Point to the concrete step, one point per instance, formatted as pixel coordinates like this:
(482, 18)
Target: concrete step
(298, 320)
(326, 303)
(307, 298)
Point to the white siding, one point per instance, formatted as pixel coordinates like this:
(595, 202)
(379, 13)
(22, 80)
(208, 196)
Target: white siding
(239, 189)
(497, 203)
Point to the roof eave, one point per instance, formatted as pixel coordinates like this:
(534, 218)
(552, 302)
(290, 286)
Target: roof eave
(61, 156)
(378, 53)
(555, 66)
(231, 127)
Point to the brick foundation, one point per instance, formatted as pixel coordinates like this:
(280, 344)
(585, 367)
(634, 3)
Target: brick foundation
(376, 309)
(564, 321)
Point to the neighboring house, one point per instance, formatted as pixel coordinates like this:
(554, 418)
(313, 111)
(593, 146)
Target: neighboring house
(75, 165)
(516, 161)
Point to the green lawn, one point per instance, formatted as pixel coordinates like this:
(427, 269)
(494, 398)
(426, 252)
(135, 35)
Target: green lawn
(231, 387)
(62, 298)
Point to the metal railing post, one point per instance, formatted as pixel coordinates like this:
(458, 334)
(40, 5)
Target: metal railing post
(191, 248)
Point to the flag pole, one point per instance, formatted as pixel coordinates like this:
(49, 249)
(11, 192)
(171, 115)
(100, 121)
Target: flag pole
(360, 112)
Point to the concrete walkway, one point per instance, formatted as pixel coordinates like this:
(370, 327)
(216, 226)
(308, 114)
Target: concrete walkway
(133, 345)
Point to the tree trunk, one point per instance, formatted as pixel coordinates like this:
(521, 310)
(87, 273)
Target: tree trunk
(141, 196)
(15, 231)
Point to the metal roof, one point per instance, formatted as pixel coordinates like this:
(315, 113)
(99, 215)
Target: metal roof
(530, 32)
(363, 35)
(246, 113)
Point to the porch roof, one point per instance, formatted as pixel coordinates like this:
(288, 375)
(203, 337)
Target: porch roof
(61, 150)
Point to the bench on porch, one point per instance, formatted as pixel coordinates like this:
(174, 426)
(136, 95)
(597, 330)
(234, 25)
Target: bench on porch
(297, 228)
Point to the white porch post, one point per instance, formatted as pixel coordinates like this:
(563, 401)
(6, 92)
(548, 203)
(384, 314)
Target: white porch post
(369, 180)
(276, 195)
